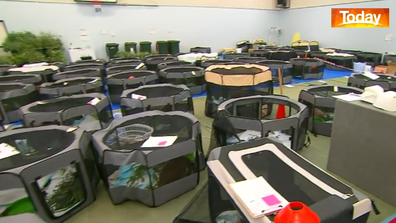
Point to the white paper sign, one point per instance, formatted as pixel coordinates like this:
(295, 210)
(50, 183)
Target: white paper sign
(139, 66)
(94, 101)
(138, 96)
(160, 141)
(348, 97)
(7, 151)
(371, 75)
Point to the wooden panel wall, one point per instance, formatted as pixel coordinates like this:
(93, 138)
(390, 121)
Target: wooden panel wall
(247, 4)
(313, 3)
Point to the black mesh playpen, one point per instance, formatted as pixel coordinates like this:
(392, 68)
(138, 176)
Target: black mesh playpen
(22, 78)
(233, 56)
(53, 175)
(233, 81)
(292, 176)
(344, 60)
(153, 61)
(307, 68)
(124, 61)
(284, 66)
(162, 97)
(134, 169)
(280, 54)
(370, 58)
(321, 103)
(46, 72)
(249, 118)
(12, 97)
(90, 112)
(264, 53)
(86, 72)
(122, 68)
(387, 82)
(252, 60)
(71, 86)
(208, 63)
(173, 64)
(389, 57)
(84, 65)
(118, 82)
(191, 76)
(200, 49)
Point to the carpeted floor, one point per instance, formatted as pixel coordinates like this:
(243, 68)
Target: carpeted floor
(103, 211)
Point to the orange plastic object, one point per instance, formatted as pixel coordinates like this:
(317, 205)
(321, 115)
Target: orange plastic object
(281, 113)
(296, 212)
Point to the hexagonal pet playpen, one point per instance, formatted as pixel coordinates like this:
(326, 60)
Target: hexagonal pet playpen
(340, 59)
(249, 59)
(307, 68)
(359, 80)
(173, 64)
(233, 56)
(208, 63)
(71, 86)
(46, 72)
(162, 97)
(118, 82)
(200, 49)
(321, 102)
(49, 170)
(284, 66)
(90, 112)
(122, 68)
(84, 65)
(389, 57)
(124, 61)
(249, 118)
(318, 54)
(86, 72)
(152, 157)
(22, 78)
(191, 76)
(153, 61)
(260, 53)
(233, 81)
(370, 58)
(4, 69)
(12, 97)
(282, 54)
(286, 173)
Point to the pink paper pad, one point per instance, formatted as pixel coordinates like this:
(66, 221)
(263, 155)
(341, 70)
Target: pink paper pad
(271, 200)
(162, 143)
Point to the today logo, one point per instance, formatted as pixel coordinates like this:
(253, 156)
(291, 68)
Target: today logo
(359, 18)
(369, 18)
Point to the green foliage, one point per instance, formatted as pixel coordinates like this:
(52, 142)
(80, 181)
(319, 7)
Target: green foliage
(124, 54)
(27, 47)
(66, 194)
(5, 59)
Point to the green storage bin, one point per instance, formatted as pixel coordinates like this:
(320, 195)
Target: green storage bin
(111, 49)
(174, 47)
(129, 46)
(145, 46)
(162, 47)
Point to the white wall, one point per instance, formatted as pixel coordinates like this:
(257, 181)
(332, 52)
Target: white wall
(315, 24)
(193, 26)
